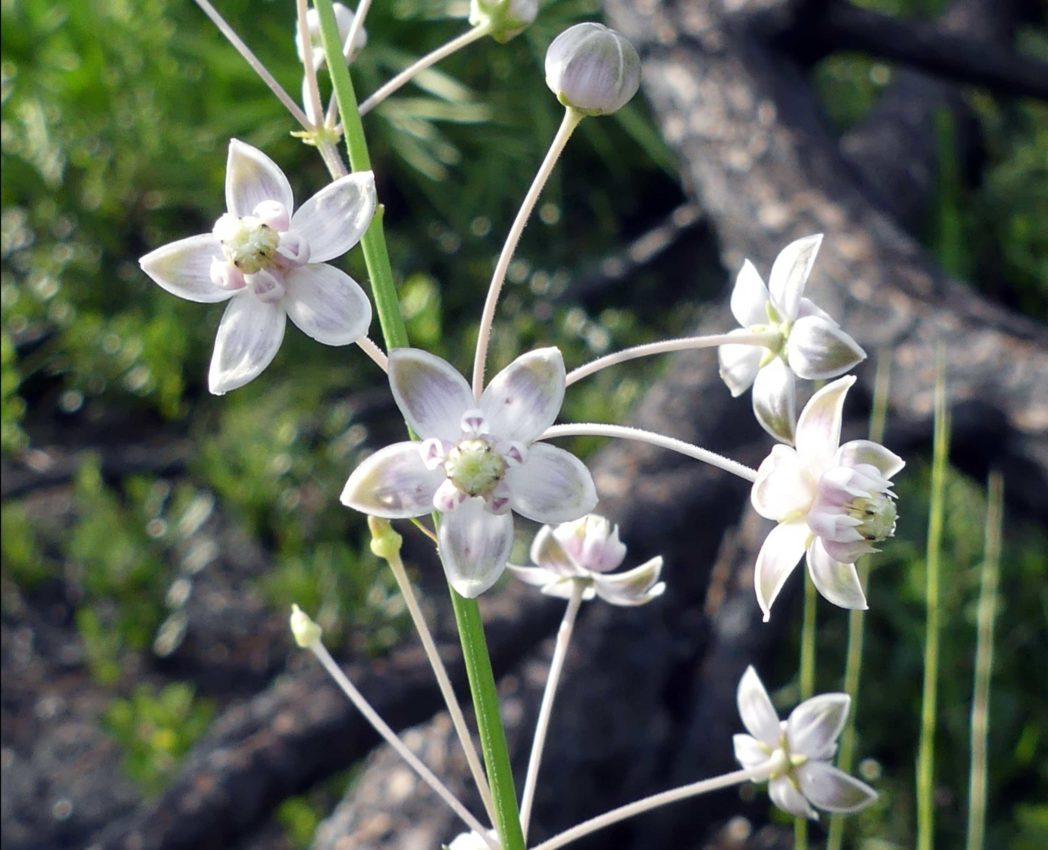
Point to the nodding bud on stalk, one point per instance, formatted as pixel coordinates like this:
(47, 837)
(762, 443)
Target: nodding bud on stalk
(306, 631)
(506, 18)
(344, 20)
(592, 69)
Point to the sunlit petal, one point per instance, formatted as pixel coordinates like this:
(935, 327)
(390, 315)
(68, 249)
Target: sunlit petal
(858, 452)
(749, 752)
(775, 400)
(327, 304)
(835, 580)
(814, 725)
(393, 483)
(739, 364)
(551, 486)
(783, 487)
(789, 275)
(524, 399)
(183, 268)
(474, 546)
(832, 789)
(632, 587)
(819, 425)
(430, 393)
(749, 297)
(755, 708)
(249, 336)
(251, 178)
(778, 556)
(335, 218)
(784, 795)
(819, 349)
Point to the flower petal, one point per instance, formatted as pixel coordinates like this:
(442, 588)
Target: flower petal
(749, 752)
(782, 487)
(474, 546)
(739, 364)
(535, 576)
(784, 795)
(327, 304)
(335, 218)
(393, 483)
(183, 268)
(632, 587)
(789, 275)
(818, 349)
(755, 708)
(813, 726)
(249, 337)
(546, 551)
(819, 425)
(775, 400)
(838, 582)
(524, 399)
(429, 392)
(832, 789)
(749, 297)
(865, 451)
(252, 177)
(552, 485)
(780, 553)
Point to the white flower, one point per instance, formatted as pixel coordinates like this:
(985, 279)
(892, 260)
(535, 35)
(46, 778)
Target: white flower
(477, 460)
(270, 264)
(583, 553)
(830, 502)
(811, 344)
(799, 751)
(507, 18)
(344, 20)
(472, 841)
(592, 69)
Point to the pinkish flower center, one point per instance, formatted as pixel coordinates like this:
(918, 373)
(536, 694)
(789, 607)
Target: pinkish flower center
(475, 467)
(249, 243)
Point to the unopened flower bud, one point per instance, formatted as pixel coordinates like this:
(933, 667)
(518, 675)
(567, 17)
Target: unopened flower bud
(506, 18)
(344, 20)
(385, 542)
(592, 69)
(306, 631)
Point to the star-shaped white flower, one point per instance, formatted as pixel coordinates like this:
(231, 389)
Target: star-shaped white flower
(811, 344)
(477, 460)
(271, 264)
(799, 751)
(583, 553)
(831, 501)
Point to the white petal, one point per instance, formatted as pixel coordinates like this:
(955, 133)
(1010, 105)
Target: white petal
(789, 275)
(818, 349)
(749, 297)
(813, 726)
(474, 546)
(632, 587)
(782, 488)
(819, 425)
(547, 551)
(335, 218)
(327, 304)
(755, 708)
(780, 553)
(832, 789)
(552, 485)
(393, 483)
(535, 576)
(429, 392)
(749, 752)
(524, 399)
(838, 582)
(775, 400)
(810, 308)
(248, 339)
(865, 451)
(183, 268)
(789, 799)
(739, 364)
(251, 178)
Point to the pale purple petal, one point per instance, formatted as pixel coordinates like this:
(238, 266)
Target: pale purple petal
(335, 218)
(749, 752)
(552, 485)
(393, 483)
(859, 452)
(739, 364)
(327, 304)
(784, 795)
(819, 425)
(749, 297)
(780, 553)
(251, 178)
(789, 275)
(819, 349)
(832, 789)
(429, 392)
(183, 268)
(524, 399)
(474, 546)
(249, 336)
(775, 400)
(535, 576)
(814, 725)
(837, 581)
(632, 587)
(755, 708)
(546, 551)
(783, 487)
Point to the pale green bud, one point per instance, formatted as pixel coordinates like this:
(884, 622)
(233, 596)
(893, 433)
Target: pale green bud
(306, 631)
(506, 18)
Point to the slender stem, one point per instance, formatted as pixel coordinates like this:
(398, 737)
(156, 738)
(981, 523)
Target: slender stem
(624, 432)
(655, 801)
(684, 344)
(422, 64)
(984, 662)
(311, 87)
(567, 126)
(807, 683)
(560, 652)
(347, 49)
(256, 64)
(926, 753)
(374, 352)
(391, 738)
(443, 682)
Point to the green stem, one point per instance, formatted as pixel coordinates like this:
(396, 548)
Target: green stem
(807, 684)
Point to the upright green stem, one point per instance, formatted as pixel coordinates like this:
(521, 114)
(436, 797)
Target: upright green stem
(807, 684)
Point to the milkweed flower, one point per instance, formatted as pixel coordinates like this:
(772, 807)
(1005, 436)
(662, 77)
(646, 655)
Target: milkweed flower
(583, 553)
(798, 750)
(477, 461)
(832, 503)
(271, 264)
(811, 345)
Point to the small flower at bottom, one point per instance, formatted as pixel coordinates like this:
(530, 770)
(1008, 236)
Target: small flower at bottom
(472, 841)
(583, 553)
(478, 459)
(269, 261)
(798, 751)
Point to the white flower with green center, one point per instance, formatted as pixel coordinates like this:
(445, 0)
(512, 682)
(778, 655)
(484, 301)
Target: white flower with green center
(477, 460)
(832, 503)
(811, 344)
(799, 751)
(583, 553)
(271, 264)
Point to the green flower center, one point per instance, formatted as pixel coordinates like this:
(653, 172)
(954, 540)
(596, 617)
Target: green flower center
(247, 242)
(475, 467)
(877, 515)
